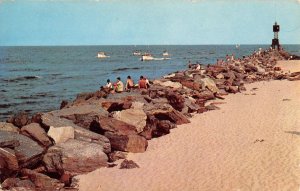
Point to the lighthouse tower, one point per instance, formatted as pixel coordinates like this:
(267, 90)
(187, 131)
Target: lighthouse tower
(275, 40)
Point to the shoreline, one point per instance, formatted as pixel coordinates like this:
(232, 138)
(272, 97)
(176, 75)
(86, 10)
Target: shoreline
(252, 142)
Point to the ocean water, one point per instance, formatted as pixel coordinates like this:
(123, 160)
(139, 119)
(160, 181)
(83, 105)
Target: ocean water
(37, 79)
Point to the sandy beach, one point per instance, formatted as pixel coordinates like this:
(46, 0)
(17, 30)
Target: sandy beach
(251, 143)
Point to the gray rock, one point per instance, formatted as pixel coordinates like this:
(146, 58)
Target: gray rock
(28, 152)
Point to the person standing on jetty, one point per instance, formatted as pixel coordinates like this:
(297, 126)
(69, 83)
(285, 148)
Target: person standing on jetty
(119, 86)
(143, 83)
(129, 84)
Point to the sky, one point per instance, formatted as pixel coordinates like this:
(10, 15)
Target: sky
(147, 22)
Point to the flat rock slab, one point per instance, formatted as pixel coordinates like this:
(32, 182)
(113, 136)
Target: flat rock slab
(28, 152)
(36, 132)
(75, 157)
(81, 109)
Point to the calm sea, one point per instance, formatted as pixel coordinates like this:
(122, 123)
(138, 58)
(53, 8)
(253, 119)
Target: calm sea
(37, 79)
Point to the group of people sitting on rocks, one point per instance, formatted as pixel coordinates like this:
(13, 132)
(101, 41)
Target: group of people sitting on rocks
(118, 86)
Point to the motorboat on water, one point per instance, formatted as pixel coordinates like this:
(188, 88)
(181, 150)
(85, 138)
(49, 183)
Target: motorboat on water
(147, 57)
(102, 55)
(237, 46)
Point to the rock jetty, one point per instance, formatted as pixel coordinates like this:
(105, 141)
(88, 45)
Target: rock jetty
(44, 151)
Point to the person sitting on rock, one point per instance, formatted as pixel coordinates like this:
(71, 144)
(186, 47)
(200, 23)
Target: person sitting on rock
(119, 86)
(143, 83)
(108, 84)
(129, 83)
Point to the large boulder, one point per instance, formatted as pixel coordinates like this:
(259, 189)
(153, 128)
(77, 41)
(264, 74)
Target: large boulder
(8, 127)
(48, 119)
(28, 152)
(37, 133)
(115, 126)
(129, 143)
(61, 134)
(74, 157)
(136, 117)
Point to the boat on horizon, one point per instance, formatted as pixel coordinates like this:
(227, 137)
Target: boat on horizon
(165, 54)
(102, 55)
(147, 57)
(237, 46)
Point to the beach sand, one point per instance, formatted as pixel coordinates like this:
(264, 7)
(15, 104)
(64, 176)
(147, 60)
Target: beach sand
(251, 143)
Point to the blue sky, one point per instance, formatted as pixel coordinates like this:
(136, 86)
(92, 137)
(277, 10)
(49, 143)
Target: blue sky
(134, 22)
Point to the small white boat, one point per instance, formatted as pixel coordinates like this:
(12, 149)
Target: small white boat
(237, 46)
(147, 57)
(102, 55)
(165, 54)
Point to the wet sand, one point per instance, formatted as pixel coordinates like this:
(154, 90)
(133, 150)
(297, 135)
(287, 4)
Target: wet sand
(251, 143)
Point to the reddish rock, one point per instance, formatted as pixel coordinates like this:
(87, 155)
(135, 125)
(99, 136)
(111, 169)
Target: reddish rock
(63, 104)
(204, 95)
(116, 126)
(133, 116)
(41, 181)
(8, 163)
(74, 157)
(21, 119)
(37, 133)
(191, 85)
(176, 100)
(232, 89)
(129, 143)
(36, 118)
(202, 110)
(163, 127)
(166, 112)
(128, 164)
(111, 106)
(147, 133)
